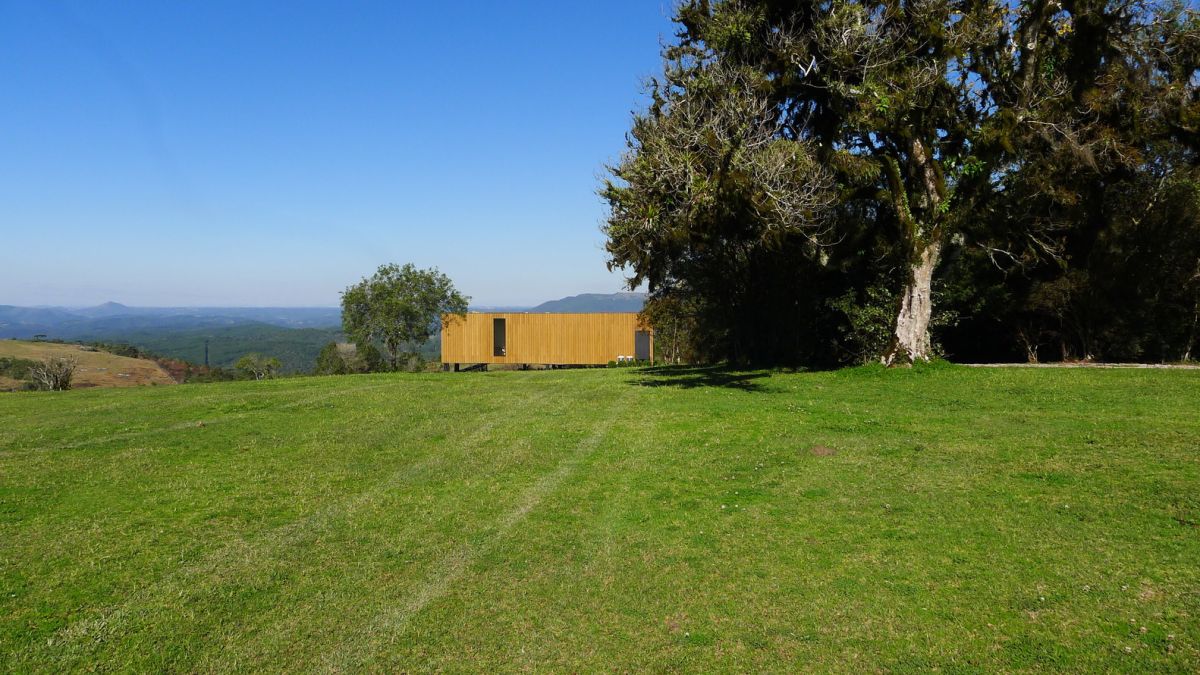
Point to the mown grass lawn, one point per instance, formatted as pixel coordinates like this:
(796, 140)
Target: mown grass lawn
(967, 520)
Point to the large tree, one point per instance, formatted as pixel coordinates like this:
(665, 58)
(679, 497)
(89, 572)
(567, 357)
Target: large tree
(923, 117)
(710, 185)
(399, 308)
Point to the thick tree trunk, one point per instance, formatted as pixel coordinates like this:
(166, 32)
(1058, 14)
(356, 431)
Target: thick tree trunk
(910, 337)
(910, 341)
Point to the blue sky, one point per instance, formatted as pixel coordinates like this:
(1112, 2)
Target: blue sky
(255, 153)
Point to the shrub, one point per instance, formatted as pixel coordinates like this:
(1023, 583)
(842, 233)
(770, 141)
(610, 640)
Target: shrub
(258, 366)
(53, 374)
(330, 361)
(14, 368)
(369, 359)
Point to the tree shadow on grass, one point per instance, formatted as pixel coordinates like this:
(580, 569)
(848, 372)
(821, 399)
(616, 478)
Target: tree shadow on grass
(692, 377)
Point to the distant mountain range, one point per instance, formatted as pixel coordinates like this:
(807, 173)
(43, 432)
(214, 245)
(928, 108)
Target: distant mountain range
(594, 302)
(584, 303)
(293, 334)
(103, 321)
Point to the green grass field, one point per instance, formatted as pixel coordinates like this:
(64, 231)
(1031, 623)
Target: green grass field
(616, 520)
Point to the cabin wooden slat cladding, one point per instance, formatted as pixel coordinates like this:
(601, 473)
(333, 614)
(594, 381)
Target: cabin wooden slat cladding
(551, 339)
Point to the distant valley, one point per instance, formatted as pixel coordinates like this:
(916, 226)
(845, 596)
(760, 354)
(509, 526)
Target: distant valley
(294, 335)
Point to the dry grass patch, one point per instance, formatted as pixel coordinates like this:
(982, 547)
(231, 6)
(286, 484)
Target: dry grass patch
(95, 368)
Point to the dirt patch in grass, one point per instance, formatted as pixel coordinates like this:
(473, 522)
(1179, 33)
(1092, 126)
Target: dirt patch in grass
(822, 451)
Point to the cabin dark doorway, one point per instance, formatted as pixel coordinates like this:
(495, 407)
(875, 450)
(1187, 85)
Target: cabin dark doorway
(641, 345)
(499, 338)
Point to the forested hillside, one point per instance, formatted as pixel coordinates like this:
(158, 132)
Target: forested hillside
(294, 335)
(296, 348)
(594, 302)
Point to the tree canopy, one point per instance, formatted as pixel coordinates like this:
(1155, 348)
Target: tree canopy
(826, 181)
(258, 366)
(399, 308)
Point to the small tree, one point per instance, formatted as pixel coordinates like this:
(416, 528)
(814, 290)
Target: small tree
(399, 307)
(673, 321)
(53, 373)
(258, 366)
(330, 361)
(367, 359)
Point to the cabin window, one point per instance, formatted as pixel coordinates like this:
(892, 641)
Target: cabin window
(499, 338)
(641, 345)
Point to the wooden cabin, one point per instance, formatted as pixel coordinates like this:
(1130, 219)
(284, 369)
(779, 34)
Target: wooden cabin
(544, 339)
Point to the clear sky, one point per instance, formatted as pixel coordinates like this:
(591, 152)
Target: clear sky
(272, 153)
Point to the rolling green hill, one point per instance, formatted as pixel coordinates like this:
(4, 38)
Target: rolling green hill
(296, 348)
(937, 518)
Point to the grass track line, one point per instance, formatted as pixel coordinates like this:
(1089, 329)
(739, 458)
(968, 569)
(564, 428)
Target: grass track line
(244, 557)
(390, 626)
(1001, 521)
(230, 658)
